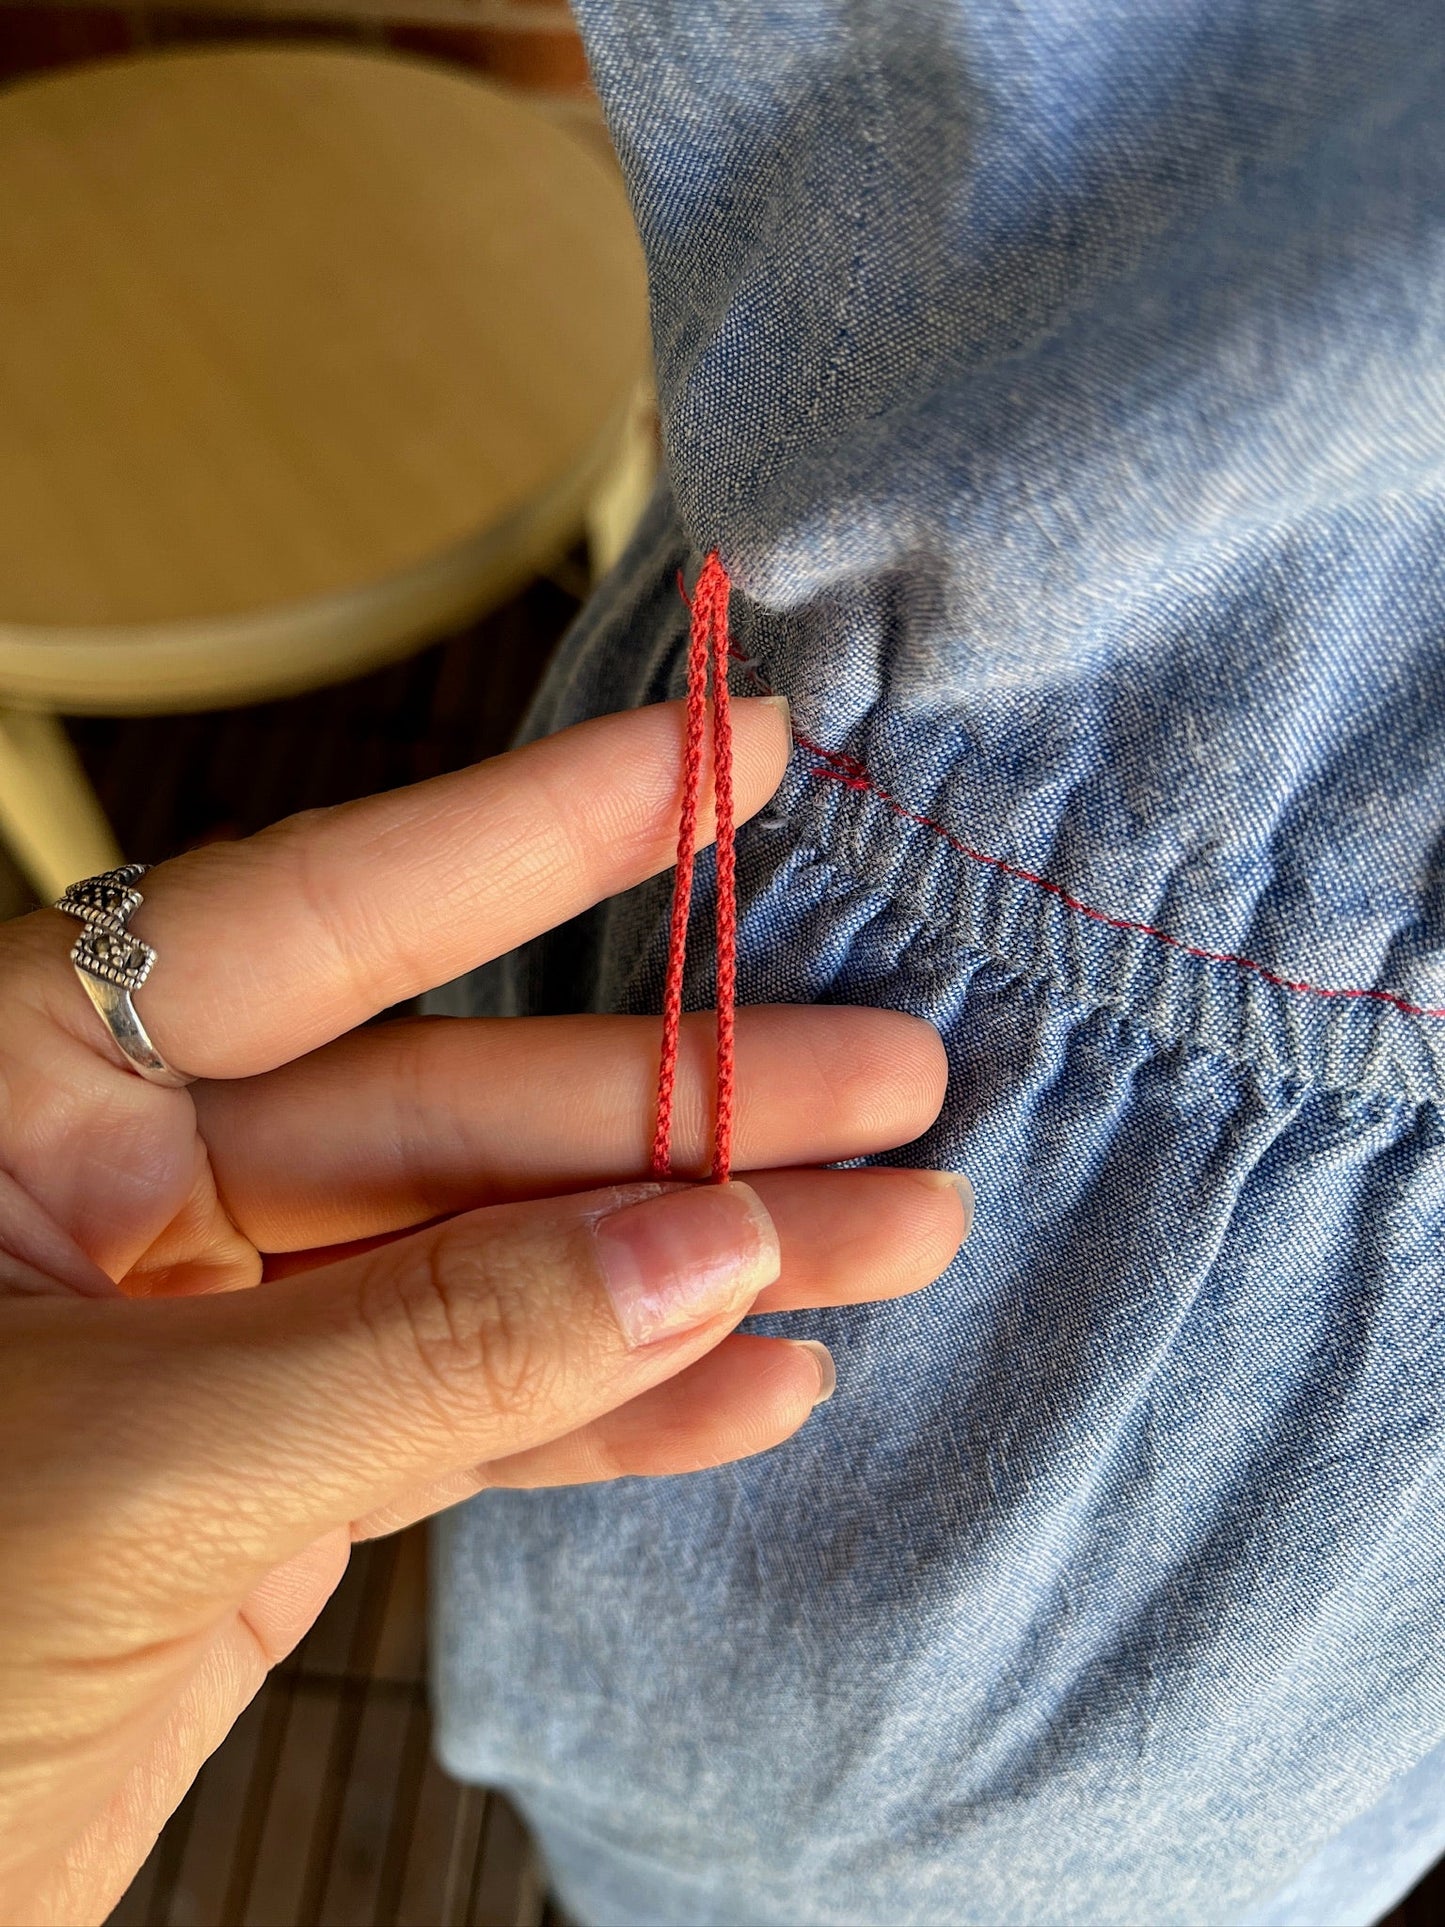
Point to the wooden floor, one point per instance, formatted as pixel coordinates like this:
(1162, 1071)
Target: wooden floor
(324, 1805)
(324, 1808)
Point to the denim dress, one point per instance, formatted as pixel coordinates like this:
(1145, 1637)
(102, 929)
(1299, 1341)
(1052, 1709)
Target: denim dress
(1063, 383)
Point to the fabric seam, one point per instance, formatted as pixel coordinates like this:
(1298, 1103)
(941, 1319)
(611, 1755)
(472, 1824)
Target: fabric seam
(848, 771)
(1036, 973)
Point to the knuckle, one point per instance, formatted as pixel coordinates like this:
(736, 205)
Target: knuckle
(311, 882)
(843, 1091)
(460, 1330)
(867, 1086)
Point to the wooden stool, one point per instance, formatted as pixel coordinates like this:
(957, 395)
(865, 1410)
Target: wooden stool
(305, 356)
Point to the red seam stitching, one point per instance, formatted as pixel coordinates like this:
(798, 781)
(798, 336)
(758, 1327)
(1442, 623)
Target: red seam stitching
(848, 771)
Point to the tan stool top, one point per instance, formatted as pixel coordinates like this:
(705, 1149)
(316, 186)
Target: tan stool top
(290, 337)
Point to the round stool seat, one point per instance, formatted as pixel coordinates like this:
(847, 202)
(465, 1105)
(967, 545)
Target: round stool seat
(304, 355)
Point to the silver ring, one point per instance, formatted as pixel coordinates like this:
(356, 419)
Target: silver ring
(111, 962)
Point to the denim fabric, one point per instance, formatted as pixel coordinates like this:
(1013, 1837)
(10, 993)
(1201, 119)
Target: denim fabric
(1062, 382)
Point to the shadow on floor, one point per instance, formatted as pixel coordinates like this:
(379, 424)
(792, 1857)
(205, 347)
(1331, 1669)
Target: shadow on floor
(323, 1805)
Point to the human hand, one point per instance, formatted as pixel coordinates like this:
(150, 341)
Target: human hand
(465, 1282)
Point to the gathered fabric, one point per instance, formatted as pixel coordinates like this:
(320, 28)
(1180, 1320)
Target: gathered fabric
(1062, 383)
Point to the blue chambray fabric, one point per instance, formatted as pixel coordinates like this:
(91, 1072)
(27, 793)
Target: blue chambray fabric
(1062, 383)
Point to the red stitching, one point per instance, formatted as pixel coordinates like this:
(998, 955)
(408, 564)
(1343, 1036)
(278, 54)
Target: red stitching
(848, 771)
(839, 767)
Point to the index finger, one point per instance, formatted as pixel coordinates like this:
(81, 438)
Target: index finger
(269, 947)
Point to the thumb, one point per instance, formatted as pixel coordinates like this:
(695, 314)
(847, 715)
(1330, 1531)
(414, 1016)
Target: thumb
(254, 1421)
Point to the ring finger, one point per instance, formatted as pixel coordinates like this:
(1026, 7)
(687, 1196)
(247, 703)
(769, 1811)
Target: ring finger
(273, 946)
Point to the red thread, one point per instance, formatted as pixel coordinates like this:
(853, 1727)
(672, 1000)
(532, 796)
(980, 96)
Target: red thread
(847, 770)
(708, 648)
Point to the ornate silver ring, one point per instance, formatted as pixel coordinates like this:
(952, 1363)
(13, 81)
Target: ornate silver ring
(112, 962)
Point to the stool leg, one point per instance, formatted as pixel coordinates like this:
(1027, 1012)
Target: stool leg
(621, 495)
(50, 817)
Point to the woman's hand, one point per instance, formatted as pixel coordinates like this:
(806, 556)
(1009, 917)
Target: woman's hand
(464, 1281)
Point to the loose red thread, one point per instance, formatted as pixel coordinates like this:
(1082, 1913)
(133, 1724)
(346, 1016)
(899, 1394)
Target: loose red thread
(708, 649)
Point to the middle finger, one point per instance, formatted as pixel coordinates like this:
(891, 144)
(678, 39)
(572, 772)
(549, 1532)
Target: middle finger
(411, 1121)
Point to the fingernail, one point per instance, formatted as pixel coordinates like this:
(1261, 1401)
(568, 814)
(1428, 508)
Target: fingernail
(827, 1370)
(780, 702)
(674, 1262)
(955, 1181)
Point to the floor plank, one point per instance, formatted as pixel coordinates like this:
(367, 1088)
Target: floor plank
(507, 1890)
(356, 1860)
(349, 1695)
(197, 1897)
(440, 1852)
(326, 1650)
(413, 1760)
(296, 1790)
(400, 1653)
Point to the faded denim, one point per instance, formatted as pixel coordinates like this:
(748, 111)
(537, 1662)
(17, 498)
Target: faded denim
(1062, 382)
